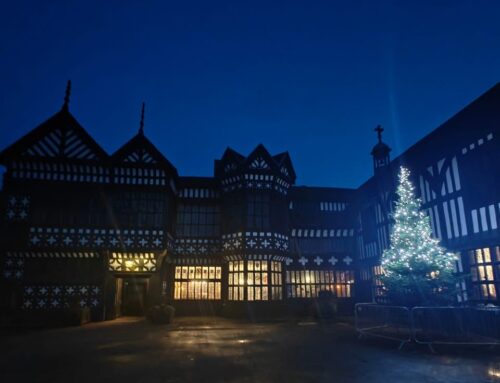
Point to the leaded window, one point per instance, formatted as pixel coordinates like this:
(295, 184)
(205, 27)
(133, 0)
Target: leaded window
(276, 281)
(198, 220)
(377, 284)
(258, 211)
(255, 280)
(72, 210)
(139, 209)
(197, 283)
(308, 283)
(236, 281)
(485, 272)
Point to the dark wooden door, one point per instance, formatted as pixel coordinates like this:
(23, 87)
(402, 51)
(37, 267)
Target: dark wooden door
(134, 296)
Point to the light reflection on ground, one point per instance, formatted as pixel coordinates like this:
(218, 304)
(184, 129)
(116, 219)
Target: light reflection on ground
(494, 371)
(220, 350)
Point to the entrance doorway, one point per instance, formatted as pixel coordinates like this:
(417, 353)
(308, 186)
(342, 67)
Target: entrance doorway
(133, 296)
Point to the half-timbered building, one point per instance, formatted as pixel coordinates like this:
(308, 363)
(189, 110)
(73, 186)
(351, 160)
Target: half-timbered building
(456, 173)
(120, 232)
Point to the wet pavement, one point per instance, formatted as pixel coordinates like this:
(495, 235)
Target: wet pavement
(219, 350)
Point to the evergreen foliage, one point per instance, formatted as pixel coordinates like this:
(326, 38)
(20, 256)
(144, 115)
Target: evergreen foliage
(417, 270)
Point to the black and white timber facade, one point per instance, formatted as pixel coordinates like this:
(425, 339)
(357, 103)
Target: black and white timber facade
(120, 232)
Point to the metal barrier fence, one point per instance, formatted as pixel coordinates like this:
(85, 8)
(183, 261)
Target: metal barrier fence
(390, 322)
(456, 325)
(429, 325)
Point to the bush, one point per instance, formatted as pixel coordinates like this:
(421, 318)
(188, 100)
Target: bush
(325, 306)
(161, 314)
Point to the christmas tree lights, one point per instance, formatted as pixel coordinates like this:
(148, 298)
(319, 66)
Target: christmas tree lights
(417, 270)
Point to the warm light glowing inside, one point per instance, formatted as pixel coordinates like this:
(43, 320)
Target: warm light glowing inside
(129, 265)
(308, 283)
(257, 280)
(482, 272)
(197, 282)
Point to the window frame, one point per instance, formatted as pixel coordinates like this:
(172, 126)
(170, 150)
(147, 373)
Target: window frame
(307, 283)
(195, 283)
(484, 265)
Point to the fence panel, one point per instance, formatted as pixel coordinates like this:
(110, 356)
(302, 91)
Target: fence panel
(456, 325)
(390, 322)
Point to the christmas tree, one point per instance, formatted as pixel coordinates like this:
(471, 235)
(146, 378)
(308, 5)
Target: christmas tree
(417, 270)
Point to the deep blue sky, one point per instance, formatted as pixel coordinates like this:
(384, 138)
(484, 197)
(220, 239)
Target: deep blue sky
(313, 78)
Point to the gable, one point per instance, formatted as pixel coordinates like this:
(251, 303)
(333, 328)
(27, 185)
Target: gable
(285, 165)
(260, 159)
(229, 163)
(140, 151)
(140, 156)
(61, 143)
(61, 136)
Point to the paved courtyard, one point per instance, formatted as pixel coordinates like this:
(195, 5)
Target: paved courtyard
(219, 350)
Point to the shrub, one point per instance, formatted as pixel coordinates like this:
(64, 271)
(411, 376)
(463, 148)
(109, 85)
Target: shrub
(161, 314)
(325, 306)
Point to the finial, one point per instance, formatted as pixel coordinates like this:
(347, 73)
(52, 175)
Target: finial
(67, 95)
(379, 131)
(141, 126)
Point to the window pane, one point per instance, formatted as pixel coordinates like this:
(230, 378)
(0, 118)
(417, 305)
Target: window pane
(195, 284)
(211, 290)
(217, 290)
(479, 256)
(487, 255)
(177, 290)
(250, 291)
(240, 292)
(265, 296)
(492, 290)
(489, 273)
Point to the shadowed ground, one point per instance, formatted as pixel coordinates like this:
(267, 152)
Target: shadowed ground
(221, 350)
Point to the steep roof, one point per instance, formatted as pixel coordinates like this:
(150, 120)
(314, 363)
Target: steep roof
(482, 113)
(479, 117)
(60, 136)
(140, 150)
(259, 159)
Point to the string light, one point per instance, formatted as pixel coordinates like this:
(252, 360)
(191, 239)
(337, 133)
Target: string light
(415, 262)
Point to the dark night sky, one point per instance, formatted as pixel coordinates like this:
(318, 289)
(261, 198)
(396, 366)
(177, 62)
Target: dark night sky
(313, 78)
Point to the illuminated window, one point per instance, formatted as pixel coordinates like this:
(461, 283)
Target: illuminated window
(257, 289)
(276, 281)
(132, 262)
(236, 281)
(483, 263)
(378, 286)
(261, 280)
(197, 283)
(308, 283)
